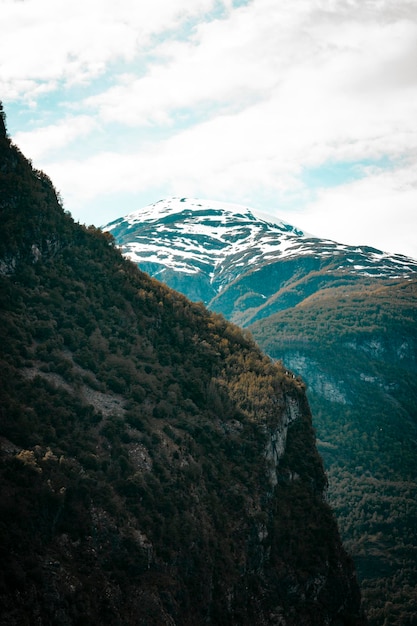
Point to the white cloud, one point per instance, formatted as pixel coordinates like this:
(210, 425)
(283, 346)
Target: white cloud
(268, 46)
(304, 86)
(217, 65)
(73, 41)
(45, 139)
(207, 98)
(379, 210)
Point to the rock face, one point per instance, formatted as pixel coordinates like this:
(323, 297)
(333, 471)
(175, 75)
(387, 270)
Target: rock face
(321, 382)
(156, 468)
(277, 438)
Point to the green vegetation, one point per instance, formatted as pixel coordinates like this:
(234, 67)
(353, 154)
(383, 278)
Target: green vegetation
(365, 343)
(134, 424)
(342, 312)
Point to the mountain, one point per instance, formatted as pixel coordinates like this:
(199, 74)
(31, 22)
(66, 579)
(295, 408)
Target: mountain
(345, 319)
(357, 350)
(156, 468)
(242, 265)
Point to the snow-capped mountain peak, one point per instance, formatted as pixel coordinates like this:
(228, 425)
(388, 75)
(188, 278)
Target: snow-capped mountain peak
(196, 208)
(183, 234)
(202, 247)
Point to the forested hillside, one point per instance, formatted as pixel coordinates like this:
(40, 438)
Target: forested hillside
(358, 352)
(155, 466)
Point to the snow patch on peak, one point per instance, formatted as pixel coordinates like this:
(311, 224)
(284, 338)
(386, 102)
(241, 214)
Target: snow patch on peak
(210, 210)
(222, 240)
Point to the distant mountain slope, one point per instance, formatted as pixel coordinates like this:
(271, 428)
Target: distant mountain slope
(345, 319)
(155, 467)
(240, 264)
(358, 352)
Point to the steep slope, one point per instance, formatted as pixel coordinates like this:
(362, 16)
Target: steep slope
(345, 319)
(241, 264)
(155, 466)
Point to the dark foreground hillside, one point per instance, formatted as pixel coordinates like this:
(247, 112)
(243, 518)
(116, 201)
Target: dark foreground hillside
(155, 466)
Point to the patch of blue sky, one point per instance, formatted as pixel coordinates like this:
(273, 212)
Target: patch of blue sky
(186, 30)
(241, 3)
(49, 109)
(335, 173)
(63, 97)
(220, 8)
(21, 117)
(311, 181)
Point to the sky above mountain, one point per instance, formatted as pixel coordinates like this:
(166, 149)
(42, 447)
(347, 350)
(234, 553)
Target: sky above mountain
(303, 109)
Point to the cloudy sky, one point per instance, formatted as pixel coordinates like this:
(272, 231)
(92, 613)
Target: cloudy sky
(303, 109)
